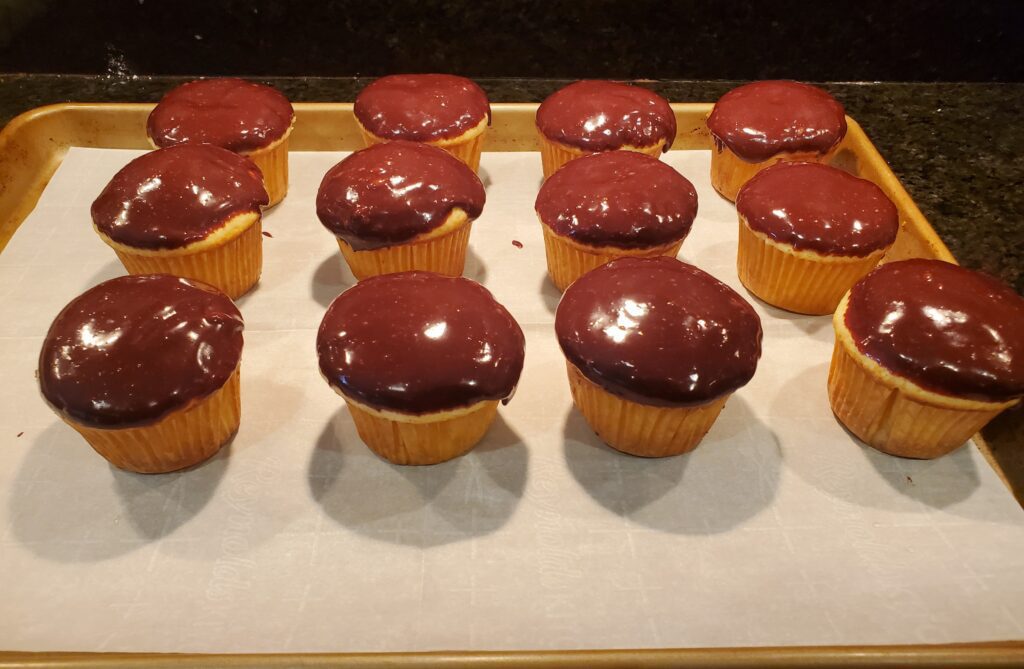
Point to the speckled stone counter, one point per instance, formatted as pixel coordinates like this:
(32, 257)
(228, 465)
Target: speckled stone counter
(958, 149)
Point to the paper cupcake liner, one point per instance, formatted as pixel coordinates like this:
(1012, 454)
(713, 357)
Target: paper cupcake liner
(423, 443)
(795, 282)
(568, 260)
(445, 255)
(467, 150)
(273, 162)
(885, 418)
(184, 438)
(234, 267)
(640, 429)
(729, 172)
(553, 154)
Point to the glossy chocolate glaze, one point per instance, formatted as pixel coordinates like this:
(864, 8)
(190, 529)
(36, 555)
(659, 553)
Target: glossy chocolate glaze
(391, 192)
(818, 208)
(618, 198)
(948, 329)
(421, 107)
(230, 113)
(173, 197)
(604, 115)
(762, 119)
(133, 349)
(418, 342)
(658, 331)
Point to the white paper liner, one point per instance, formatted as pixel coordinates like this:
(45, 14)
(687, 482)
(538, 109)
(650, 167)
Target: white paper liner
(779, 529)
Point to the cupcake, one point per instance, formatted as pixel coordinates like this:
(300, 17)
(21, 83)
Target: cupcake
(767, 122)
(808, 232)
(654, 348)
(595, 116)
(610, 205)
(250, 119)
(401, 206)
(443, 110)
(422, 361)
(926, 354)
(192, 210)
(146, 368)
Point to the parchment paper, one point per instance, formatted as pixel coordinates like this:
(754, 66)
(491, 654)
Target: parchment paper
(779, 529)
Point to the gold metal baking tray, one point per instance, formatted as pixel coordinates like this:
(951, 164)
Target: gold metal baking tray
(33, 145)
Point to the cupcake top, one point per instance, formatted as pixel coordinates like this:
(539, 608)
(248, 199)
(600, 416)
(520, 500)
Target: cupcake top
(762, 119)
(230, 113)
(418, 342)
(658, 331)
(391, 192)
(948, 329)
(170, 198)
(623, 199)
(818, 208)
(133, 349)
(605, 115)
(421, 107)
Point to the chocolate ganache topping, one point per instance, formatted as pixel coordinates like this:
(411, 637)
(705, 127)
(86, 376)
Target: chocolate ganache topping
(623, 199)
(762, 119)
(418, 342)
(391, 192)
(170, 198)
(421, 107)
(605, 115)
(231, 113)
(133, 349)
(948, 329)
(658, 331)
(819, 208)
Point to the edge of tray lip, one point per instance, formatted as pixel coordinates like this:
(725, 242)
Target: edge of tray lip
(994, 653)
(986, 653)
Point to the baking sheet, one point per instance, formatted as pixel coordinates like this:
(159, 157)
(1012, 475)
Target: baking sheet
(779, 529)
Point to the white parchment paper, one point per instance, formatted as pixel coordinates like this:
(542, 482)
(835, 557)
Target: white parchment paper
(779, 529)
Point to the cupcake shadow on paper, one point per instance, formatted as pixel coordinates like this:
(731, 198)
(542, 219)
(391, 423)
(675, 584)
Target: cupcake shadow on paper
(103, 512)
(332, 276)
(731, 476)
(470, 496)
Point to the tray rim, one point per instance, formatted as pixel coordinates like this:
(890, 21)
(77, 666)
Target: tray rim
(20, 189)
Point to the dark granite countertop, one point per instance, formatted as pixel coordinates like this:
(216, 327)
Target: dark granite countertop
(957, 147)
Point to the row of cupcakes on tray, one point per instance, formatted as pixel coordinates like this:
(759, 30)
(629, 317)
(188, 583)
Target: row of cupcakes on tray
(654, 346)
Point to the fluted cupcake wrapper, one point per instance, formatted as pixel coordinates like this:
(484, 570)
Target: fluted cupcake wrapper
(796, 282)
(891, 421)
(273, 162)
(234, 266)
(467, 150)
(640, 429)
(182, 439)
(553, 155)
(729, 172)
(445, 255)
(568, 260)
(423, 442)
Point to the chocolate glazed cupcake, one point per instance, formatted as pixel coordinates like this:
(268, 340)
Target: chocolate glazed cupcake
(192, 210)
(146, 369)
(654, 348)
(250, 119)
(442, 110)
(808, 232)
(594, 116)
(926, 354)
(611, 205)
(401, 206)
(766, 122)
(422, 361)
